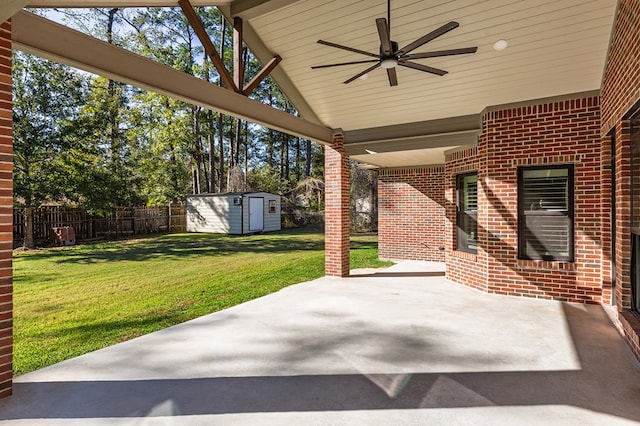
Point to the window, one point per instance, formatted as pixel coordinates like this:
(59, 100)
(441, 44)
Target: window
(467, 212)
(272, 206)
(545, 212)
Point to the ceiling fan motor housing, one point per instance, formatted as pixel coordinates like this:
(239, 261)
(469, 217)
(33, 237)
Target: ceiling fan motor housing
(394, 49)
(391, 56)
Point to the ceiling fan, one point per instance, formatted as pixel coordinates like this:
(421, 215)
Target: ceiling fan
(391, 56)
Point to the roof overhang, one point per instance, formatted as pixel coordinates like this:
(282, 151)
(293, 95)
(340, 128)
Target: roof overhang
(246, 9)
(555, 48)
(8, 8)
(411, 144)
(36, 35)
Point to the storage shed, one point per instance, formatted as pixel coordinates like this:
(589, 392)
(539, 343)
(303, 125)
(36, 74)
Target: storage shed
(233, 212)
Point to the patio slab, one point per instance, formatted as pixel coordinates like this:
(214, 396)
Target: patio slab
(398, 346)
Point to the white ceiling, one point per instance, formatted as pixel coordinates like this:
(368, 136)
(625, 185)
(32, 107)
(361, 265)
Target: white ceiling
(555, 48)
(414, 157)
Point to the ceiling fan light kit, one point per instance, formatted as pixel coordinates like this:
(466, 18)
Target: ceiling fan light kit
(389, 63)
(391, 56)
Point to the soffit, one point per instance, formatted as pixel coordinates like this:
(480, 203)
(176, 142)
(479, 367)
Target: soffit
(415, 157)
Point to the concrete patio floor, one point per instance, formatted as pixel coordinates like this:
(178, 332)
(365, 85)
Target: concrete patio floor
(397, 346)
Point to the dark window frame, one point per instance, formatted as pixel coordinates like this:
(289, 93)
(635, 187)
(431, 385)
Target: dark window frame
(460, 214)
(569, 214)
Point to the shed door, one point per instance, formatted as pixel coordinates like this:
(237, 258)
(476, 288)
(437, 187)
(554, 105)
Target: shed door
(256, 214)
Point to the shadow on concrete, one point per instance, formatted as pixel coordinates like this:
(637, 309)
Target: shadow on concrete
(608, 382)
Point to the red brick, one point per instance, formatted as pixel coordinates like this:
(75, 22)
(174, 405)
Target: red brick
(411, 213)
(6, 314)
(337, 220)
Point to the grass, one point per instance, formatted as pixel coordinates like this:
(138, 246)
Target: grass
(70, 301)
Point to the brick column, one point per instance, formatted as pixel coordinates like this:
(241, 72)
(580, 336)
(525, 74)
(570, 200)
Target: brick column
(605, 220)
(6, 213)
(623, 215)
(336, 208)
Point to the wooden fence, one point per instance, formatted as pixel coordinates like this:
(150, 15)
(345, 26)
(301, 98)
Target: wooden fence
(125, 221)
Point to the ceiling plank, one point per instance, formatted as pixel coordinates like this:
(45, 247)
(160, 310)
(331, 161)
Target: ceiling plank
(198, 27)
(554, 48)
(41, 37)
(8, 8)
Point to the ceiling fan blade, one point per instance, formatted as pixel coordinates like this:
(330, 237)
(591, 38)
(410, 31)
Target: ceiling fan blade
(385, 37)
(350, 49)
(438, 53)
(362, 73)
(393, 77)
(421, 67)
(428, 37)
(345, 63)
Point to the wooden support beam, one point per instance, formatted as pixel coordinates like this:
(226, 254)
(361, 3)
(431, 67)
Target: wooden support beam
(198, 27)
(264, 55)
(10, 7)
(238, 62)
(264, 72)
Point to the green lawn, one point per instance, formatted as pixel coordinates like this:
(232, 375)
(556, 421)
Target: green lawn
(70, 301)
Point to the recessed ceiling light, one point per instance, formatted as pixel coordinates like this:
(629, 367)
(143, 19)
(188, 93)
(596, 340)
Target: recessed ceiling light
(500, 45)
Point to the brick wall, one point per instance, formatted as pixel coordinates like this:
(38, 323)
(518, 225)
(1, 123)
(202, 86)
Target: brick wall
(337, 221)
(6, 204)
(623, 214)
(462, 267)
(411, 213)
(622, 74)
(566, 132)
(619, 95)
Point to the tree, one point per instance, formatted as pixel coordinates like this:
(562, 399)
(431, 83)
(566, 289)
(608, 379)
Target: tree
(363, 198)
(45, 107)
(159, 131)
(125, 146)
